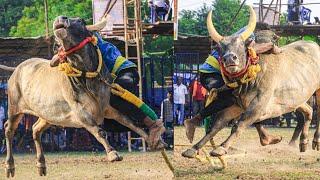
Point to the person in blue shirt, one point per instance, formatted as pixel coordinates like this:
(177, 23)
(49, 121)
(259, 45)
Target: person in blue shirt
(126, 75)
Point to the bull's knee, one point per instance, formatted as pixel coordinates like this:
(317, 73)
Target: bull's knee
(102, 133)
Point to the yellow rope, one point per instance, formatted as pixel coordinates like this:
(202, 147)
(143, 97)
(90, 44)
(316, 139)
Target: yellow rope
(126, 95)
(74, 72)
(212, 96)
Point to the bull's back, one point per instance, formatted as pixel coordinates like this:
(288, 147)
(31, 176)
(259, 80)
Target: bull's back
(295, 73)
(40, 87)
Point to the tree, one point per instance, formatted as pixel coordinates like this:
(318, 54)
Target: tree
(223, 13)
(32, 22)
(194, 22)
(10, 13)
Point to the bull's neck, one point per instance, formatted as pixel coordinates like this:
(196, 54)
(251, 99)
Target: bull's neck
(90, 58)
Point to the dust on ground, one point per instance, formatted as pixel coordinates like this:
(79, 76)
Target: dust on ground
(248, 159)
(86, 165)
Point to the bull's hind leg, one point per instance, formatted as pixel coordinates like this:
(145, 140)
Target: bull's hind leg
(10, 128)
(316, 138)
(37, 129)
(307, 112)
(101, 136)
(297, 129)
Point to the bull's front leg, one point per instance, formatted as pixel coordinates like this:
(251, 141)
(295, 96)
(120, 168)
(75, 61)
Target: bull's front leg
(222, 119)
(101, 136)
(37, 130)
(253, 114)
(307, 111)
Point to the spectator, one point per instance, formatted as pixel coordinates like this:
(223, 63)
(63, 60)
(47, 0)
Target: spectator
(198, 93)
(167, 110)
(180, 93)
(159, 9)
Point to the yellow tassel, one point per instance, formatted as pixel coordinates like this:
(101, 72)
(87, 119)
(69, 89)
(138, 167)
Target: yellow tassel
(212, 96)
(126, 95)
(252, 53)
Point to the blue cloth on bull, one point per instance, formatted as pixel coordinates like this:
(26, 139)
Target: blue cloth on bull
(211, 65)
(112, 57)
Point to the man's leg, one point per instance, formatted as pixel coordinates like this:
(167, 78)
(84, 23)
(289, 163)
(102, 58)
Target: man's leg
(181, 117)
(128, 79)
(195, 107)
(175, 114)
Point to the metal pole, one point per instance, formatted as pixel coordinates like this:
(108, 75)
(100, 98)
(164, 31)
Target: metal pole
(265, 16)
(275, 12)
(47, 25)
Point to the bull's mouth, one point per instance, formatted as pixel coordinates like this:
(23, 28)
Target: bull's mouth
(231, 65)
(60, 30)
(59, 26)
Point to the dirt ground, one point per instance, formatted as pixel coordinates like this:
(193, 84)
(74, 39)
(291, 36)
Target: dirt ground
(249, 160)
(86, 165)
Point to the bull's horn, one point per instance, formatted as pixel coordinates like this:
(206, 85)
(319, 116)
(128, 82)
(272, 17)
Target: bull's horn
(251, 25)
(99, 25)
(212, 31)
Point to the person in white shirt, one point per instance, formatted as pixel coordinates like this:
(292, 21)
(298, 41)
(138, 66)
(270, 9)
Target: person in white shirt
(179, 99)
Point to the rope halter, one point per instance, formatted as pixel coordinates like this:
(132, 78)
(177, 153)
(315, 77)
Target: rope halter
(71, 71)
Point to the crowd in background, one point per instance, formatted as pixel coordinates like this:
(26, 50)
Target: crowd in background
(189, 99)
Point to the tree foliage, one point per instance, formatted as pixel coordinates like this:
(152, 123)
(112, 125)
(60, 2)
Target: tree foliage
(10, 13)
(194, 21)
(32, 23)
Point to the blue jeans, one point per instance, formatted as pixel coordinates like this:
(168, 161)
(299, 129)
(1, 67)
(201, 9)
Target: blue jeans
(179, 111)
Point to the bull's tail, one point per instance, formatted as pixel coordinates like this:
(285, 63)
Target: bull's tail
(7, 68)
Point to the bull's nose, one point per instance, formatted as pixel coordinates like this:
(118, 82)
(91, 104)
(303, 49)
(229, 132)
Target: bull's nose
(61, 22)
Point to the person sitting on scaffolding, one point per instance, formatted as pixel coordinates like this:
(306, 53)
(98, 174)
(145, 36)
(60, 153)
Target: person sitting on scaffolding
(125, 74)
(159, 9)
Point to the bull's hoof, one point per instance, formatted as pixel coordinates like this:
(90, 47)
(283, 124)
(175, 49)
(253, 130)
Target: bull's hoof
(219, 151)
(190, 129)
(10, 171)
(303, 146)
(159, 146)
(316, 145)
(270, 140)
(42, 171)
(114, 156)
(189, 153)
(292, 144)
